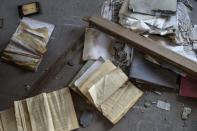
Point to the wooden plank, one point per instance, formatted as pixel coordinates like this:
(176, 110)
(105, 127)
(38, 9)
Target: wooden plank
(146, 45)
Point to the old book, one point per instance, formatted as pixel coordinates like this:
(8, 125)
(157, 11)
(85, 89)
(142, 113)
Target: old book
(116, 106)
(152, 74)
(62, 110)
(108, 89)
(188, 87)
(28, 44)
(106, 86)
(48, 111)
(8, 120)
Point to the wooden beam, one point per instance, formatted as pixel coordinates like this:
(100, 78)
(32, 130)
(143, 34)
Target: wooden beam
(146, 45)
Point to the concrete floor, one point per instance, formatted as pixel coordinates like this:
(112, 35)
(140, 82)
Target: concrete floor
(66, 15)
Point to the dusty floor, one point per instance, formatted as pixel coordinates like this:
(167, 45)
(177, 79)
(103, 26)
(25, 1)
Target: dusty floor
(66, 15)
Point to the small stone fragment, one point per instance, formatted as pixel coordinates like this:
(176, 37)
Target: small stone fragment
(147, 104)
(163, 105)
(86, 118)
(27, 87)
(70, 63)
(157, 92)
(186, 112)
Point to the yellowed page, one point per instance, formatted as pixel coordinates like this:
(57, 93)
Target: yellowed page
(39, 113)
(62, 110)
(22, 116)
(120, 102)
(104, 69)
(8, 120)
(107, 86)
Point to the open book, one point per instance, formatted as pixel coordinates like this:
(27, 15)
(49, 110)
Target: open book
(46, 112)
(109, 90)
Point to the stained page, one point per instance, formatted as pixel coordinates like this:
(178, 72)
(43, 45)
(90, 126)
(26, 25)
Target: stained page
(8, 120)
(104, 69)
(120, 102)
(62, 110)
(88, 72)
(39, 113)
(95, 43)
(22, 116)
(107, 86)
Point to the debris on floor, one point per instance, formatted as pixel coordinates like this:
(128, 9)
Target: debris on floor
(26, 115)
(158, 93)
(102, 84)
(163, 105)
(28, 44)
(186, 112)
(147, 104)
(86, 118)
(29, 9)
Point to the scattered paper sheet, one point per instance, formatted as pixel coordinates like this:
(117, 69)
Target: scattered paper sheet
(154, 7)
(163, 105)
(96, 45)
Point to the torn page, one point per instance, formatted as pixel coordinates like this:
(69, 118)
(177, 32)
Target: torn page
(120, 102)
(62, 110)
(104, 69)
(39, 113)
(106, 86)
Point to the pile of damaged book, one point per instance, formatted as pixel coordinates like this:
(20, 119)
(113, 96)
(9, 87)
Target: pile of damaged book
(165, 24)
(107, 88)
(45, 112)
(28, 44)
